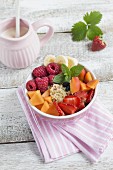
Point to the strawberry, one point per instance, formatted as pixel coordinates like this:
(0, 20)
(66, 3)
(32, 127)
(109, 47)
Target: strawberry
(82, 95)
(67, 108)
(98, 44)
(90, 96)
(81, 106)
(73, 100)
(61, 113)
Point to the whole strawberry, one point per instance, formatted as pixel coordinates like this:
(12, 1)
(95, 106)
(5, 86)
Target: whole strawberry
(98, 44)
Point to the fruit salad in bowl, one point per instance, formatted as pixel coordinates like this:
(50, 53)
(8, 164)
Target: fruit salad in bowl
(61, 88)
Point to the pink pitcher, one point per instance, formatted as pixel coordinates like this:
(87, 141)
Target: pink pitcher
(23, 51)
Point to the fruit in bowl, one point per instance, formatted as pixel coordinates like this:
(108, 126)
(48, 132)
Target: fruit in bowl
(60, 87)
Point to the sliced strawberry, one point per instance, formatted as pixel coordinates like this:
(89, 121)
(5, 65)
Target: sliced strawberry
(82, 94)
(61, 113)
(73, 100)
(90, 96)
(81, 106)
(67, 108)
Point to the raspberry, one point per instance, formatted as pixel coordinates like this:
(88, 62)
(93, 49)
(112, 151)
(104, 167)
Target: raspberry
(42, 84)
(30, 85)
(40, 71)
(53, 68)
(51, 77)
(36, 81)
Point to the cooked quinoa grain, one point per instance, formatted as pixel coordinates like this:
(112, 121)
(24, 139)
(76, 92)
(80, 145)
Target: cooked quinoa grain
(57, 92)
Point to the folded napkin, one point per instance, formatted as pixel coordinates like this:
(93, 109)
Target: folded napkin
(90, 134)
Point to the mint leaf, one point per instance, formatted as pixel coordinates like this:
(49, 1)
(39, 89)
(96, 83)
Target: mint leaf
(92, 18)
(65, 69)
(93, 31)
(79, 31)
(66, 72)
(59, 78)
(76, 70)
(67, 78)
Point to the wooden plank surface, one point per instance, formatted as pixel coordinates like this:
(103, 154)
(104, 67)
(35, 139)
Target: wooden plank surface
(58, 11)
(13, 124)
(61, 43)
(25, 156)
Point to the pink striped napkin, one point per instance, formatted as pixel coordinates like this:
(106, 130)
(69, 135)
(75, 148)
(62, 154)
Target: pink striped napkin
(91, 134)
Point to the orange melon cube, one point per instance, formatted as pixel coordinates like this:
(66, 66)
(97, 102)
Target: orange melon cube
(74, 85)
(39, 106)
(48, 99)
(88, 77)
(92, 84)
(83, 86)
(45, 107)
(52, 110)
(46, 93)
(30, 93)
(37, 99)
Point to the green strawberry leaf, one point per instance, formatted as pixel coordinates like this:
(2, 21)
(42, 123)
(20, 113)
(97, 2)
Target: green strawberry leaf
(59, 78)
(93, 17)
(93, 31)
(76, 70)
(79, 31)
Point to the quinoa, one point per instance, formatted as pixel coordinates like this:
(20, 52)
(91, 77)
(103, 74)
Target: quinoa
(57, 92)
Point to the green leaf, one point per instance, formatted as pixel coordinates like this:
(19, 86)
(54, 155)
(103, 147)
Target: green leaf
(76, 70)
(65, 69)
(79, 31)
(93, 31)
(67, 78)
(66, 72)
(59, 78)
(92, 18)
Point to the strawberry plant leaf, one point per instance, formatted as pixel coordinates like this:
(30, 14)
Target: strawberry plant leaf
(92, 18)
(79, 31)
(59, 78)
(94, 31)
(76, 70)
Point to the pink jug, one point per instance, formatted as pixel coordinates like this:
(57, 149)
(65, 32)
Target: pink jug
(23, 51)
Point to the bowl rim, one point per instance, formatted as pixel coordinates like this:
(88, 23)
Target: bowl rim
(67, 116)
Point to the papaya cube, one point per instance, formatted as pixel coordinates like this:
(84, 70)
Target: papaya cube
(30, 93)
(92, 84)
(82, 75)
(83, 86)
(88, 77)
(52, 110)
(45, 107)
(48, 99)
(46, 93)
(37, 99)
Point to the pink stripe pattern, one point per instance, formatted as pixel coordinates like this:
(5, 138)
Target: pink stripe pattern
(91, 134)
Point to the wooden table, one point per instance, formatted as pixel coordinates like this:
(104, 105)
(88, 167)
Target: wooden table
(18, 150)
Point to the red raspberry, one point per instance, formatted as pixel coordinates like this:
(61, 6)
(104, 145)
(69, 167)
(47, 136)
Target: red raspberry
(31, 85)
(42, 84)
(40, 71)
(53, 68)
(51, 77)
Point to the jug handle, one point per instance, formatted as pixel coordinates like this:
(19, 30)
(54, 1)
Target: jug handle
(41, 23)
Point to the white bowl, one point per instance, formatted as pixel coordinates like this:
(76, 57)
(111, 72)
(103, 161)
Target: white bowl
(62, 119)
